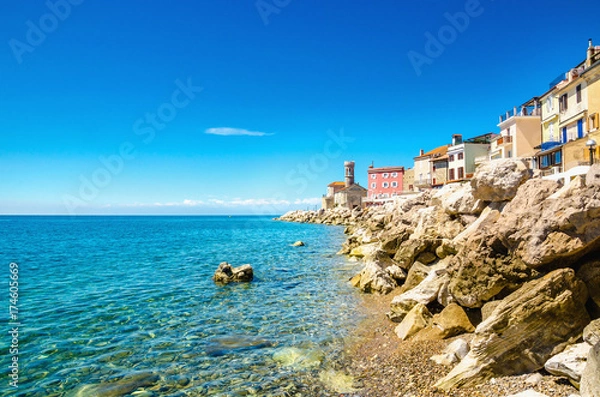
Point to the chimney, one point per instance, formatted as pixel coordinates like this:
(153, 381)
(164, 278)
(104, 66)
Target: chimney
(421, 152)
(456, 139)
(349, 173)
(591, 51)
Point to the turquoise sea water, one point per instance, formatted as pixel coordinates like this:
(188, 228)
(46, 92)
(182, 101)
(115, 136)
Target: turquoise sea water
(125, 306)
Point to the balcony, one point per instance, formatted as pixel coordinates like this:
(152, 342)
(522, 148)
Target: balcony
(523, 111)
(426, 182)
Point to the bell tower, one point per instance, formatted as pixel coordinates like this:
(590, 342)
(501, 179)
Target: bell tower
(349, 173)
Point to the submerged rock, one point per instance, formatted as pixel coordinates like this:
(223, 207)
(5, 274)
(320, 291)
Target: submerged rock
(298, 244)
(226, 274)
(121, 387)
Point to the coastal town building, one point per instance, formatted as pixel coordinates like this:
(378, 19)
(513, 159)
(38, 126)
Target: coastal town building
(346, 194)
(520, 133)
(462, 155)
(408, 182)
(569, 120)
(425, 175)
(384, 183)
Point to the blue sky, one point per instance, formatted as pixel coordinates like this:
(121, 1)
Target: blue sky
(244, 107)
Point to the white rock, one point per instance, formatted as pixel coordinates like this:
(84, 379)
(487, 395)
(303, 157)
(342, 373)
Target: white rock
(570, 362)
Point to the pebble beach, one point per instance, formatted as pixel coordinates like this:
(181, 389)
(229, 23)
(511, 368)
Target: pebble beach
(384, 365)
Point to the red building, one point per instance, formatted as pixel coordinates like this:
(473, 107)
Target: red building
(384, 182)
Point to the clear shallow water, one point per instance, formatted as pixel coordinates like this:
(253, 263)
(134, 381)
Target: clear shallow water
(123, 306)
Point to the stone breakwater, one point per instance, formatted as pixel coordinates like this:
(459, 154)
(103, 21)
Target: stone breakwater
(510, 261)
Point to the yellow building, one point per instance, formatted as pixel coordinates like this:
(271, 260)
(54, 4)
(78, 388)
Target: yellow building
(569, 118)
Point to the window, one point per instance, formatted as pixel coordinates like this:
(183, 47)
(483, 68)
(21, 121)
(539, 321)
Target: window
(394, 175)
(549, 104)
(434, 182)
(461, 172)
(385, 184)
(410, 187)
(509, 154)
(563, 103)
(373, 185)
(460, 156)
(433, 168)
(394, 184)
(451, 174)
(557, 157)
(373, 176)
(386, 175)
(451, 157)
(593, 122)
(578, 93)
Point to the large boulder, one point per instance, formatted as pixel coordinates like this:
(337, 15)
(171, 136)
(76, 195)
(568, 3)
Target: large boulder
(416, 319)
(226, 274)
(451, 321)
(590, 379)
(592, 177)
(545, 223)
(457, 199)
(453, 353)
(483, 270)
(374, 278)
(589, 272)
(591, 333)
(525, 330)
(499, 180)
(425, 293)
(570, 362)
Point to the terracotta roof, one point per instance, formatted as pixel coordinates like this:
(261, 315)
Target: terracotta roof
(332, 184)
(438, 151)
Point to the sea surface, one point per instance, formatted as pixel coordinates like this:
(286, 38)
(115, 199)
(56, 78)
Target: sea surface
(125, 306)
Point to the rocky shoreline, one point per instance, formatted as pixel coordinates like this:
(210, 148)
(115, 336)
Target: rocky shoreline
(507, 266)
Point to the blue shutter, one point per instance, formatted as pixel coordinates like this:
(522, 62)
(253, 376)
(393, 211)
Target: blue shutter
(580, 128)
(564, 135)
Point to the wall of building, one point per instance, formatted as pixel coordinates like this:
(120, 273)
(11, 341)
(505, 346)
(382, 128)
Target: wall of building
(408, 181)
(527, 136)
(384, 183)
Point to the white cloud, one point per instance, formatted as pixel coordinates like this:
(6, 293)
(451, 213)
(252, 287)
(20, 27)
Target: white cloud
(227, 131)
(309, 201)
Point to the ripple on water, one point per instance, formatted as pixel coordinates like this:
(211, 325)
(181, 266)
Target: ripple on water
(132, 309)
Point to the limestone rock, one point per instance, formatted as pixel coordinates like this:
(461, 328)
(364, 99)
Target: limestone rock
(453, 353)
(298, 244)
(396, 273)
(543, 224)
(499, 180)
(364, 250)
(590, 379)
(416, 319)
(592, 177)
(570, 362)
(425, 293)
(449, 322)
(225, 274)
(416, 274)
(591, 333)
(488, 309)
(457, 199)
(589, 272)
(526, 329)
(479, 274)
(374, 278)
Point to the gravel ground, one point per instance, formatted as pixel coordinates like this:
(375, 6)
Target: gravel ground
(383, 365)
